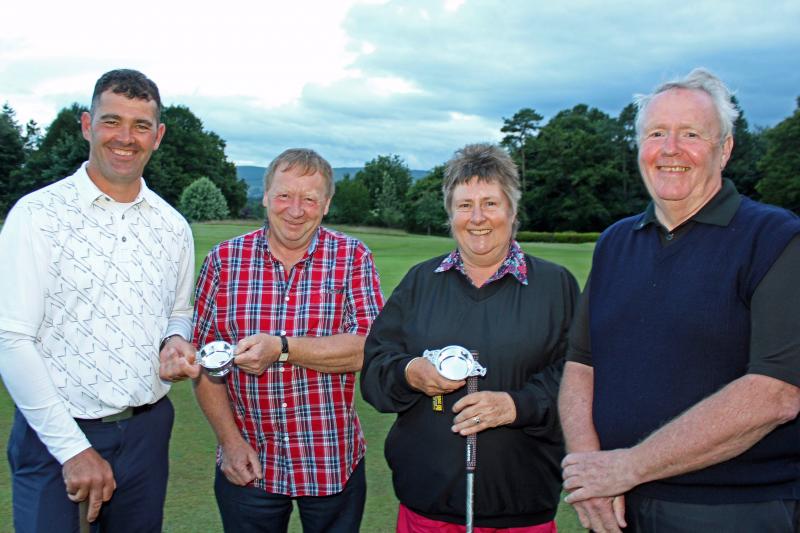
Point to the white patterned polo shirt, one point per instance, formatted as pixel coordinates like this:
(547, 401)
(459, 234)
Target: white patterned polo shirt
(96, 282)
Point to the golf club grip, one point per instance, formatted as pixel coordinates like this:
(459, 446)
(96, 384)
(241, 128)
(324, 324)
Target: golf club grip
(472, 440)
(83, 520)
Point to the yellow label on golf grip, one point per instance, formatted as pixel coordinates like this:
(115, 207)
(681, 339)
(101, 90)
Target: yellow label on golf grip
(438, 404)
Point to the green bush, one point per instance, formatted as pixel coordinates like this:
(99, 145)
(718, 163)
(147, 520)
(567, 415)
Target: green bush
(201, 200)
(568, 237)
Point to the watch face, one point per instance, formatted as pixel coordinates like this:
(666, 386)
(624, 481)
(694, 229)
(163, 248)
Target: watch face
(216, 357)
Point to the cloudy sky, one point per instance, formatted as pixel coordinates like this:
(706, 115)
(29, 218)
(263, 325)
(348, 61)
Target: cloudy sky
(419, 78)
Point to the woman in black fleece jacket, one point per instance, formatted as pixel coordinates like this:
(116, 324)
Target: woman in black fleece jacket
(515, 310)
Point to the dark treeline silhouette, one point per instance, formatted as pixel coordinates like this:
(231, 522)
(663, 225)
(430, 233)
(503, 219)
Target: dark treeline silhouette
(30, 160)
(578, 170)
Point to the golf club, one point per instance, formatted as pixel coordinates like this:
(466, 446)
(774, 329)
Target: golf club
(83, 516)
(472, 449)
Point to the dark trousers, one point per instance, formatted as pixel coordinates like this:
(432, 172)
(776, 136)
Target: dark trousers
(646, 515)
(136, 449)
(251, 510)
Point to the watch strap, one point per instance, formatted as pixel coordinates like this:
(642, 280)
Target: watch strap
(165, 340)
(284, 349)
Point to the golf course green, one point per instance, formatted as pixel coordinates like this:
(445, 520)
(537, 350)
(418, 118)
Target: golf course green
(190, 505)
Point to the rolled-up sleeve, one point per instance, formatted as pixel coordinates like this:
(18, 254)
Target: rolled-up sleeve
(364, 297)
(180, 320)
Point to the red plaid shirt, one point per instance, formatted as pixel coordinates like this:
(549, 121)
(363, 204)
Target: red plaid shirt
(302, 423)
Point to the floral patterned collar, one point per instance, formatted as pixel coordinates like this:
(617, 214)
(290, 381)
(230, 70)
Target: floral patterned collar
(513, 264)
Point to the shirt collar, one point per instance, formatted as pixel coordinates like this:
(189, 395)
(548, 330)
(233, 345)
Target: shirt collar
(319, 234)
(719, 211)
(88, 192)
(514, 264)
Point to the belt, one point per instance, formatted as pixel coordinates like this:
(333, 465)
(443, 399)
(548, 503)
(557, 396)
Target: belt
(125, 414)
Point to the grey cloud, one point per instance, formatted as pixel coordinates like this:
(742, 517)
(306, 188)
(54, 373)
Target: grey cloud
(554, 55)
(485, 61)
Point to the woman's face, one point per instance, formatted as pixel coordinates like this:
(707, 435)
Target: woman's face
(482, 222)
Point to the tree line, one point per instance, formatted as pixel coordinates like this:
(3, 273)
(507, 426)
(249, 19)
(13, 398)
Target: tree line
(578, 170)
(30, 159)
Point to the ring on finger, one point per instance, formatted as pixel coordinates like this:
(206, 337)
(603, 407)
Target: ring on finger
(477, 420)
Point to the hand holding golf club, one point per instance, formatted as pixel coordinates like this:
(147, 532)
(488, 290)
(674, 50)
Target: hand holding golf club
(89, 476)
(483, 410)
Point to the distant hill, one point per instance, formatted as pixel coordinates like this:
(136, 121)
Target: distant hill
(254, 177)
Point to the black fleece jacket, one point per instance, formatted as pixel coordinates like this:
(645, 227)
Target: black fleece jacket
(520, 332)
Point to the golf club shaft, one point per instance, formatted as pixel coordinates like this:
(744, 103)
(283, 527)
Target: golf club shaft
(472, 458)
(83, 516)
(470, 480)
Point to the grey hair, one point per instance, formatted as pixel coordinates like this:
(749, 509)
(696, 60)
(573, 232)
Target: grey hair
(309, 161)
(699, 79)
(488, 163)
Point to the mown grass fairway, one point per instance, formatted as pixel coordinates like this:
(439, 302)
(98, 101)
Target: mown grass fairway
(190, 505)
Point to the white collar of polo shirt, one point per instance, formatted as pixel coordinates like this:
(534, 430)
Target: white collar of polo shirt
(89, 193)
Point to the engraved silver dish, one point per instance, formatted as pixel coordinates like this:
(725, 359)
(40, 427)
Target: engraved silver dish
(454, 362)
(216, 357)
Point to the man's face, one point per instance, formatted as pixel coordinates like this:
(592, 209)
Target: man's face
(295, 207)
(122, 133)
(680, 154)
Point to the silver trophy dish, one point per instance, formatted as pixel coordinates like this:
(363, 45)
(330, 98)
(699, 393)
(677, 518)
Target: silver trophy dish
(216, 357)
(454, 362)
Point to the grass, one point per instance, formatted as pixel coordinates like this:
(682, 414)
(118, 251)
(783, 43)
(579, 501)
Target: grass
(190, 505)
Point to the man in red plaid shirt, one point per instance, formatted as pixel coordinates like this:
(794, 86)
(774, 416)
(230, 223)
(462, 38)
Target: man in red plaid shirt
(297, 300)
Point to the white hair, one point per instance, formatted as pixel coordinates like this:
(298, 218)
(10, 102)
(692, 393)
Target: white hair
(698, 79)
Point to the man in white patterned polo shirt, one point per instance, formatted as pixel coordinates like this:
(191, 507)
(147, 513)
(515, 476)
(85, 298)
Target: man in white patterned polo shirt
(96, 274)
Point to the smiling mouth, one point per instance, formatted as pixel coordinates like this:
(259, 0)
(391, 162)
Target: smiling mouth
(479, 232)
(121, 152)
(673, 168)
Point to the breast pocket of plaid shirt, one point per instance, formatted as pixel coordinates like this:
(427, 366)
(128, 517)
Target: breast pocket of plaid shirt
(326, 308)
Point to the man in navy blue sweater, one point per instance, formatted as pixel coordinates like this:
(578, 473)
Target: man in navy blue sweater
(680, 396)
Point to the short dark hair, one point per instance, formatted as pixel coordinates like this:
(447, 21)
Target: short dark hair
(129, 83)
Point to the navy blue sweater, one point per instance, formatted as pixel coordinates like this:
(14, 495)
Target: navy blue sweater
(671, 326)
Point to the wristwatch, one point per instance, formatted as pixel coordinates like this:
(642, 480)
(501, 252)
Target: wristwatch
(166, 340)
(284, 349)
